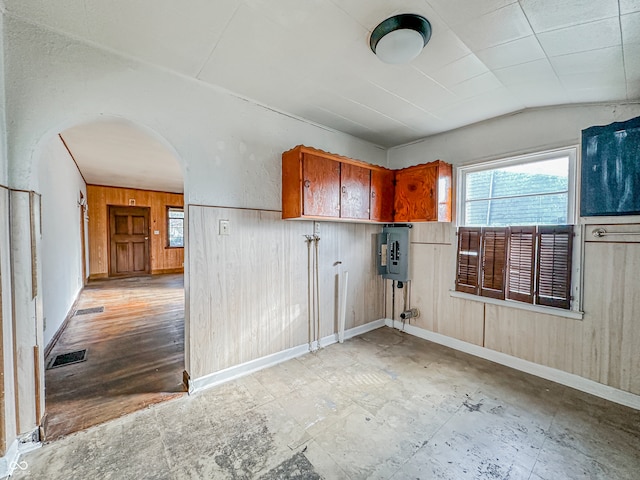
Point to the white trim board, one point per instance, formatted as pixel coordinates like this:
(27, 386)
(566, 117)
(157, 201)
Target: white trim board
(542, 371)
(251, 366)
(11, 459)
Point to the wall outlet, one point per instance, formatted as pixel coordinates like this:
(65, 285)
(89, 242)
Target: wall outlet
(316, 228)
(225, 227)
(156, 232)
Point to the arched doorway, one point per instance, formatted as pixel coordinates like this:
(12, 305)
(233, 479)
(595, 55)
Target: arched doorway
(114, 190)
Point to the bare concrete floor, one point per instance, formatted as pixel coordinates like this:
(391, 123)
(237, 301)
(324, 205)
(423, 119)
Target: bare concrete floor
(384, 405)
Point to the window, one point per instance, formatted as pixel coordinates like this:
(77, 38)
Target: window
(529, 190)
(175, 226)
(514, 239)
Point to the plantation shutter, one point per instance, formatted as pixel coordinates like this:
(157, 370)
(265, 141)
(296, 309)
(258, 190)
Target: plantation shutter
(553, 286)
(494, 260)
(468, 260)
(522, 242)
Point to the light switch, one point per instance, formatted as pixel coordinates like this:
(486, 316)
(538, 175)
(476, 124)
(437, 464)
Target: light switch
(156, 232)
(225, 227)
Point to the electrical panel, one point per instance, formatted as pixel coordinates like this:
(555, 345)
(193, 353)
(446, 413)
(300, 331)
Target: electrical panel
(393, 253)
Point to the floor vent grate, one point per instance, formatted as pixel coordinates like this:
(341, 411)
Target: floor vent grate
(85, 311)
(68, 358)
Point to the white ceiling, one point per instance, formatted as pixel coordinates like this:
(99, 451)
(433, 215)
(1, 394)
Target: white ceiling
(117, 153)
(312, 59)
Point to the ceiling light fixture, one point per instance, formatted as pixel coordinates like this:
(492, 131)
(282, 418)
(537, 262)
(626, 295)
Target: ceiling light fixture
(401, 38)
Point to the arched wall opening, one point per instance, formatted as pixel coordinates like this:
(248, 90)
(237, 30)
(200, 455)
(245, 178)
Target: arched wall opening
(84, 171)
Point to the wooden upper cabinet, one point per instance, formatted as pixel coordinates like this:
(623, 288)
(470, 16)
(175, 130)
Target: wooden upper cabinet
(317, 184)
(382, 192)
(355, 185)
(423, 193)
(320, 186)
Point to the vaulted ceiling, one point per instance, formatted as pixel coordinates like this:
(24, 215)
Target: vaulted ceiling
(312, 59)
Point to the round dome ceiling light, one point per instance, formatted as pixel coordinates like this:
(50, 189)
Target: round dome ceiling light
(401, 38)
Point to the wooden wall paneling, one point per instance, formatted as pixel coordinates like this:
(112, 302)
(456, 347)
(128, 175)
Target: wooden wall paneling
(7, 337)
(163, 260)
(433, 232)
(248, 290)
(330, 253)
(431, 279)
(24, 312)
(544, 339)
(349, 248)
(36, 269)
(612, 309)
(5, 332)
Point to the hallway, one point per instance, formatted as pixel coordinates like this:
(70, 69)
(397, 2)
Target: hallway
(135, 353)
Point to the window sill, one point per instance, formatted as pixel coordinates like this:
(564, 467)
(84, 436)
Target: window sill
(558, 312)
(171, 248)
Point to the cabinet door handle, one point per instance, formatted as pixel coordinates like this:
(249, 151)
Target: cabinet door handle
(373, 194)
(307, 184)
(344, 189)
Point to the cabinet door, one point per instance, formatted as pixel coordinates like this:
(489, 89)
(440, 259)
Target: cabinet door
(382, 195)
(320, 186)
(355, 184)
(415, 196)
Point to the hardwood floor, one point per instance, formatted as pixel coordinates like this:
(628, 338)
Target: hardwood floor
(135, 353)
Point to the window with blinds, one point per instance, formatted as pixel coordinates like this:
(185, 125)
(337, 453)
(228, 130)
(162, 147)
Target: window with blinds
(529, 264)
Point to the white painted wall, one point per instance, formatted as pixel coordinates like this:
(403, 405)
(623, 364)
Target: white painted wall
(3, 117)
(61, 255)
(230, 149)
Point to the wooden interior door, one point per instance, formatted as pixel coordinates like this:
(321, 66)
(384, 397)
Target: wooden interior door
(129, 241)
(355, 186)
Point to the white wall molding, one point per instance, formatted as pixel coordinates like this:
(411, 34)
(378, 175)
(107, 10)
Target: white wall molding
(542, 371)
(19, 446)
(10, 460)
(252, 366)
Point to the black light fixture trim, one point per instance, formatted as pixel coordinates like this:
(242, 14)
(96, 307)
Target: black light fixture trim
(403, 21)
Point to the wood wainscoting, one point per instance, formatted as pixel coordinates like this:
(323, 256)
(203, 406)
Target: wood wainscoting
(162, 258)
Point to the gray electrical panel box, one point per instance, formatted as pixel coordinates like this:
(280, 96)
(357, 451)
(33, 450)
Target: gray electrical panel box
(393, 253)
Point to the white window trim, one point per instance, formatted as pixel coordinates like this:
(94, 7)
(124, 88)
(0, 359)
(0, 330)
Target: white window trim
(577, 259)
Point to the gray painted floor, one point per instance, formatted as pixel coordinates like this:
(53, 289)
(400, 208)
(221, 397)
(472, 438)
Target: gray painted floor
(384, 405)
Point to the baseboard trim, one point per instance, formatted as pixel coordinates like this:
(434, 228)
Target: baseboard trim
(11, 460)
(237, 371)
(63, 325)
(98, 276)
(542, 371)
(165, 271)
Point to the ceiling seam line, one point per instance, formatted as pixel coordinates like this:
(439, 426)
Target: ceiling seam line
(215, 46)
(545, 52)
(624, 63)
